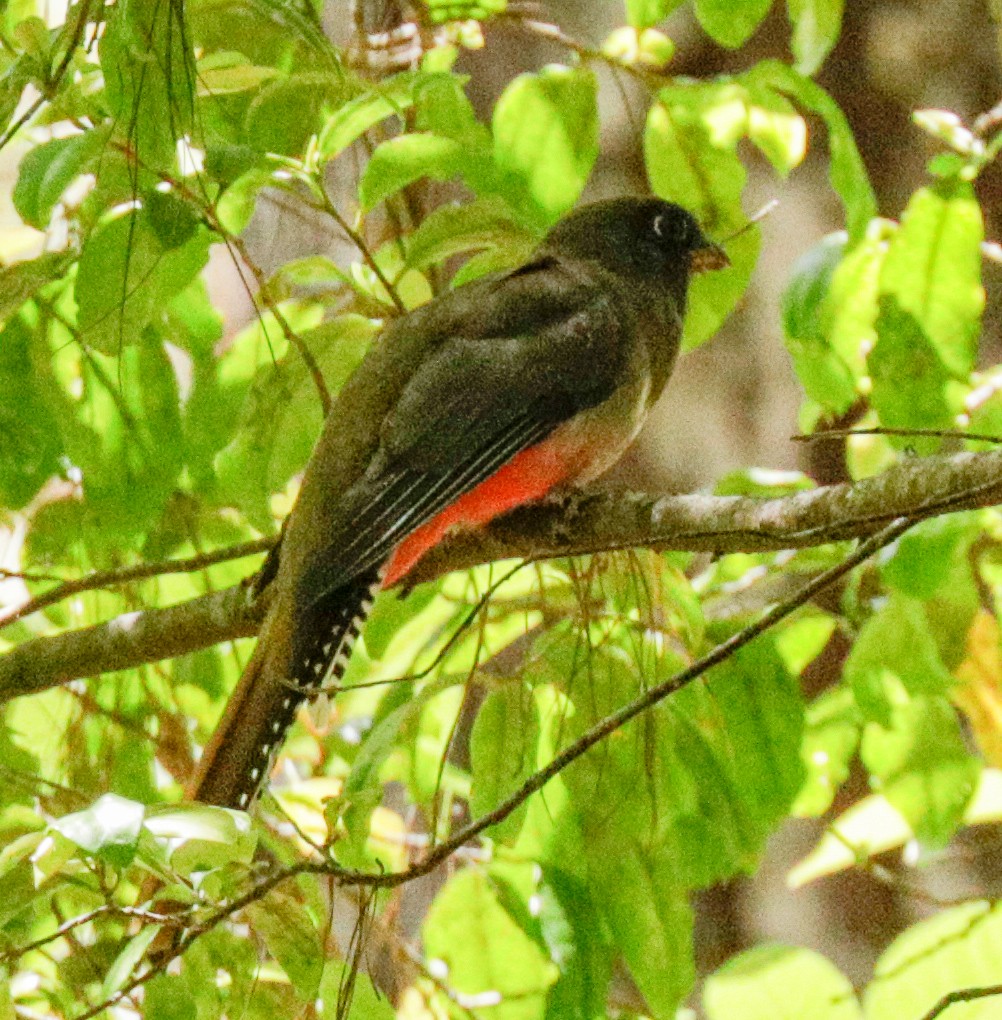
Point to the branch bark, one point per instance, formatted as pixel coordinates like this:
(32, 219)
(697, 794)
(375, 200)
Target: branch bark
(588, 521)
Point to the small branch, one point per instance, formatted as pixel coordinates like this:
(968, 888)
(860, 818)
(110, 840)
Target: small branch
(588, 521)
(959, 996)
(595, 520)
(328, 207)
(131, 640)
(123, 575)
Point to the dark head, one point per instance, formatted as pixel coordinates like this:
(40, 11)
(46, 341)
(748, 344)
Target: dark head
(645, 238)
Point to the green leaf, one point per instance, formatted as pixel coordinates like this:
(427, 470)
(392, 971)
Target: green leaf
(816, 28)
(646, 907)
(503, 753)
(831, 736)
(908, 377)
(776, 128)
(442, 108)
(47, 171)
(456, 229)
(109, 828)
(894, 645)
(919, 762)
(366, 1002)
(223, 73)
(826, 378)
(731, 22)
(127, 276)
(15, 78)
(870, 827)
(170, 998)
(710, 772)
(482, 951)
(128, 960)
(29, 431)
(546, 140)
(647, 13)
(348, 123)
(852, 304)
(406, 159)
(689, 151)
(285, 112)
(149, 75)
(20, 281)
(281, 416)
(772, 982)
(124, 437)
(292, 938)
(691, 157)
(924, 556)
(463, 10)
(933, 270)
(577, 944)
(171, 218)
(847, 171)
(956, 949)
(713, 296)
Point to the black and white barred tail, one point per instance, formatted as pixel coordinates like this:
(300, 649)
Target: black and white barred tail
(320, 652)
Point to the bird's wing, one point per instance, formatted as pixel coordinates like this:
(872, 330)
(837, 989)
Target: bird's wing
(470, 407)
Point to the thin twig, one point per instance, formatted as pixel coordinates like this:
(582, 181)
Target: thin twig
(327, 206)
(123, 575)
(959, 996)
(884, 430)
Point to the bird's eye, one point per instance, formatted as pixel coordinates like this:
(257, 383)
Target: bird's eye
(659, 226)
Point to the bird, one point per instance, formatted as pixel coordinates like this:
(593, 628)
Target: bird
(491, 396)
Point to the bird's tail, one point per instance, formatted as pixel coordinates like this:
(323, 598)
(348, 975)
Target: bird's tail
(284, 670)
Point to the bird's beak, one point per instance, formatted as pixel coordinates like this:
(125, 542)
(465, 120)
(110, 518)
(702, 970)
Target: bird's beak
(708, 258)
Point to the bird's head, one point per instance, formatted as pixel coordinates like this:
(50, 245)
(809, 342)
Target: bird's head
(645, 238)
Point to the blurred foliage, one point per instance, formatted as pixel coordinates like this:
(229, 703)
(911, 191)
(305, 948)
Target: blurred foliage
(136, 425)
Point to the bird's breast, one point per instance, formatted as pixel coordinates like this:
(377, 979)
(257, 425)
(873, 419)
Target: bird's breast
(594, 439)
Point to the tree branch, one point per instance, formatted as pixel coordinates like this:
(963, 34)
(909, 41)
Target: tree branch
(585, 522)
(130, 640)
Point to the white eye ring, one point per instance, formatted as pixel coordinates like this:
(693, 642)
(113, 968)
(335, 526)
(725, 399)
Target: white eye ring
(659, 226)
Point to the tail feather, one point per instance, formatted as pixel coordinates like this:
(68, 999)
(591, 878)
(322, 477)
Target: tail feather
(285, 670)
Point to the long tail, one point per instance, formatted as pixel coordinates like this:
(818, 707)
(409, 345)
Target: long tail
(284, 670)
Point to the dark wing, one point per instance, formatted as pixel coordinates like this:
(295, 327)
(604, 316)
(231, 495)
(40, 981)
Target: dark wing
(401, 500)
(472, 405)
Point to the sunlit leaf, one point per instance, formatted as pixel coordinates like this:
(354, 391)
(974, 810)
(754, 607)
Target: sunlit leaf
(503, 752)
(127, 275)
(772, 982)
(816, 28)
(846, 169)
(645, 13)
(546, 139)
(47, 171)
(109, 828)
(959, 948)
(481, 952)
(731, 22)
(404, 160)
(919, 762)
(933, 270)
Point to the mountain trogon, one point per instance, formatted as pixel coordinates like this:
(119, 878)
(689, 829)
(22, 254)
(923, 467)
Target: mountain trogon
(485, 399)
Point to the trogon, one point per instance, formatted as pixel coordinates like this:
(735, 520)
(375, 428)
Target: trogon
(485, 399)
